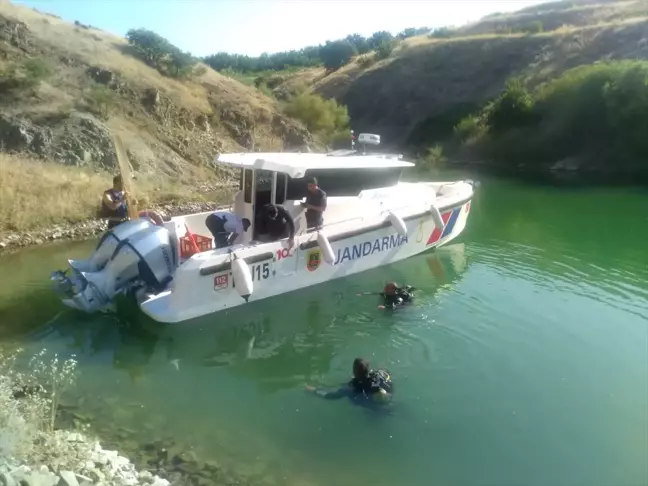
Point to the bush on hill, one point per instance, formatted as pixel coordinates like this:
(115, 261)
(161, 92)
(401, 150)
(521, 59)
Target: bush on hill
(15, 76)
(597, 113)
(323, 117)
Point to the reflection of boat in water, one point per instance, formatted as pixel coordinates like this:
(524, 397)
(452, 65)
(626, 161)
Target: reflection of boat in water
(263, 342)
(371, 220)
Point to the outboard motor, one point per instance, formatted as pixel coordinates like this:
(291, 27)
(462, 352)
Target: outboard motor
(145, 260)
(108, 244)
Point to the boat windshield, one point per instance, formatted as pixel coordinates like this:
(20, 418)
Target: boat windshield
(345, 182)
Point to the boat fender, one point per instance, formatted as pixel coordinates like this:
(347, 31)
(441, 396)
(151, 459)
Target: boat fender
(242, 278)
(397, 223)
(436, 217)
(327, 251)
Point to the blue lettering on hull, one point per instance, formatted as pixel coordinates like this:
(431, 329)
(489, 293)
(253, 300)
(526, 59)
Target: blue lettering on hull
(367, 248)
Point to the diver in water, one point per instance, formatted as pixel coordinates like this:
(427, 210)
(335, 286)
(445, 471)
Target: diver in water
(368, 387)
(393, 295)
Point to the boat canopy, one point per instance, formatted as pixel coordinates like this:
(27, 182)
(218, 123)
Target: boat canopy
(296, 164)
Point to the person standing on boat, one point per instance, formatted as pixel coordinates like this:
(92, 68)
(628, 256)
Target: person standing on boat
(279, 223)
(113, 203)
(225, 227)
(367, 387)
(315, 204)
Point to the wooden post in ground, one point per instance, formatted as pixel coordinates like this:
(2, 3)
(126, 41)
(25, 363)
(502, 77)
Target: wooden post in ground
(127, 178)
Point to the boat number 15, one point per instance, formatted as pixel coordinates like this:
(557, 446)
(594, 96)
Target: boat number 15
(260, 272)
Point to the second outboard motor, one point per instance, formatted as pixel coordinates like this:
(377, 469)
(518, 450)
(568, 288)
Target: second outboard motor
(108, 244)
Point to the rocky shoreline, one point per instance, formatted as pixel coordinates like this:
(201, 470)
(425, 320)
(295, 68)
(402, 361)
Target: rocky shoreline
(13, 241)
(96, 466)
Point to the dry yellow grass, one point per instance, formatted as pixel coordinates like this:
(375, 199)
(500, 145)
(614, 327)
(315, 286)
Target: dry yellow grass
(35, 194)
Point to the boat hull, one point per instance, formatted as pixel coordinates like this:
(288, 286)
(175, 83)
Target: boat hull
(201, 288)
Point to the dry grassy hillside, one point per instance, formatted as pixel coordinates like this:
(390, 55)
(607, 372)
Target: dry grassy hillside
(170, 126)
(427, 82)
(90, 86)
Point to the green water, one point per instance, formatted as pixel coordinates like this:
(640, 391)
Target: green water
(523, 362)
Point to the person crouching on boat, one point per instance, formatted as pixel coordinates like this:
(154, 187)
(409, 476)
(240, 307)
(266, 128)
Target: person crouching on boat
(225, 227)
(279, 223)
(393, 295)
(367, 387)
(113, 203)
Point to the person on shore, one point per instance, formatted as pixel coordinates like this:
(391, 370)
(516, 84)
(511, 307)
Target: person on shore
(113, 203)
(225, 227)
(278, 223)
(315, 205)
(393, 295)
(367, 387)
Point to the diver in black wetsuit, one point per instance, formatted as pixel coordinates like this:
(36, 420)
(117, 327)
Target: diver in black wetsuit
(368, 387)
(393, 295)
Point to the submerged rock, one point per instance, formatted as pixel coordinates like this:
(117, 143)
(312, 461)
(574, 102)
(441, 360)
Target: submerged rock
(68, 478)
(6, 479)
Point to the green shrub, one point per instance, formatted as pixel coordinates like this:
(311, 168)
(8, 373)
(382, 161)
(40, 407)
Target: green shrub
(596, 112)
(101, 100)
(324, 117)
(469, 128)
(385, 48)
(512, 108)
(434, 158)
(440, 127)
(24, 75)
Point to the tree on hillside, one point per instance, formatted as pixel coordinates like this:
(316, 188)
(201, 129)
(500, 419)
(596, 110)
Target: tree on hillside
(149, 46)
(360, 42)
(333, 54)
(158, 52)
(411, 32)
(378, 38)
(337, 53)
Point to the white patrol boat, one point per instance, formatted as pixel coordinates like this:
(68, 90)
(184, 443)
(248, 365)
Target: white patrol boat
(371, 219)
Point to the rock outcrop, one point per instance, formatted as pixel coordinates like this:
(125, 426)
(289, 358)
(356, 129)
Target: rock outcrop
(75, 139)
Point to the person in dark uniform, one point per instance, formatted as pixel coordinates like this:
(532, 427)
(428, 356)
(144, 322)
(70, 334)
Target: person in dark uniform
(113, 203)
(393, 295)
(279, 223)
(315, 205)
(367, 387)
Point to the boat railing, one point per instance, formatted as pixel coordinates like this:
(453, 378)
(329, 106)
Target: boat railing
(329, 225)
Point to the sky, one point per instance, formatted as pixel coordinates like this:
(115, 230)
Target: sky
(252, 27)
